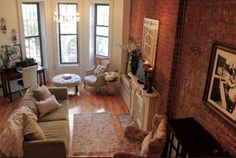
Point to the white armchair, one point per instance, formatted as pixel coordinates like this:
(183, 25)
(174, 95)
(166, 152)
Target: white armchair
(95, 77)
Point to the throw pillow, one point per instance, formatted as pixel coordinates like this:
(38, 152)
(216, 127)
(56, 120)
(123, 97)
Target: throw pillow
(47, 105)
(41, 93)
(161, 130)
(145, 143)
(31, 129)
(99, 70)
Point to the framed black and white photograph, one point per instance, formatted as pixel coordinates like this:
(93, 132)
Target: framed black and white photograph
(14, 57)
(220, 89)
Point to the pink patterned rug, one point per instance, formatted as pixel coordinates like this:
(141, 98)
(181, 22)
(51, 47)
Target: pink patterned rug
(94, 135)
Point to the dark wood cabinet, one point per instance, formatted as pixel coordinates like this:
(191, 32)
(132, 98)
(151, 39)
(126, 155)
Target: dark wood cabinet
(187, 138)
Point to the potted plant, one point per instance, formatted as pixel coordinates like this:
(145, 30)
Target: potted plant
(133, 48)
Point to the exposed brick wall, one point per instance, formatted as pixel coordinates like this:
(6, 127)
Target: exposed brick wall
(205, 22)
(165, 11)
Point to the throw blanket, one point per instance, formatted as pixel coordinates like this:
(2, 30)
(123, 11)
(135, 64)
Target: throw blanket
(12, 137)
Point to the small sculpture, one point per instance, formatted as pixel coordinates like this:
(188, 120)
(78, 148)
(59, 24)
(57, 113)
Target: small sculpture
(3, 26)
(13, 36)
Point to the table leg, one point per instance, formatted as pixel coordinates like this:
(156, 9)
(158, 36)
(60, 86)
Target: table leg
(44, 81)
(9, 91)
(76, 89)
(4, 86)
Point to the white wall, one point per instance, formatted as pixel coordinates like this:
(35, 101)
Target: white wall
(8, 10)
(119, 31)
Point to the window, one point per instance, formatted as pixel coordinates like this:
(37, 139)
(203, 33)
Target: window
(101, 29)
(68, 35)
(31, 24)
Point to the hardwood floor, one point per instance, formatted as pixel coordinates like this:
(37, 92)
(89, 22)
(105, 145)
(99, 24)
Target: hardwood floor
(86, 101)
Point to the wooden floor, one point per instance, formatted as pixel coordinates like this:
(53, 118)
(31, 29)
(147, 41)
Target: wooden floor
(86, 101)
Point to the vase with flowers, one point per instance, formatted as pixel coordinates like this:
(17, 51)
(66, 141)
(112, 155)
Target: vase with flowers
(133, 48)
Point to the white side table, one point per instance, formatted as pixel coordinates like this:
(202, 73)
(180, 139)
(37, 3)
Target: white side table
(112, 87)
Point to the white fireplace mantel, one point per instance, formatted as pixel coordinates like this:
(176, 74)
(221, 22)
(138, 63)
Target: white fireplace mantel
(143, 105)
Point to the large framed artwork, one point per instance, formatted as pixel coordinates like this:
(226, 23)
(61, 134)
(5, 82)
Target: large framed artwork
(149, 40)
(220, 89)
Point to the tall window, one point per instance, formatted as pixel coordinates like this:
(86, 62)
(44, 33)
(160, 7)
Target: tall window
(68, 35)
(101, 29)
(31, 22)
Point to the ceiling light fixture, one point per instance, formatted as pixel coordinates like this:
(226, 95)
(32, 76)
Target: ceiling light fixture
(66, 16)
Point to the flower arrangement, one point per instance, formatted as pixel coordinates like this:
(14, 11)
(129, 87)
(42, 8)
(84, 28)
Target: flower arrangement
(133, 48)
(111, 76)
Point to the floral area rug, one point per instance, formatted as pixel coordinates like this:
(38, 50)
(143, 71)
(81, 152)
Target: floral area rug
(94, 135)
(125, 120)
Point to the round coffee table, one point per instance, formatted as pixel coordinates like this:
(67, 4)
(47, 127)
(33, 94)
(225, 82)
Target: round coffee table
(67, 80)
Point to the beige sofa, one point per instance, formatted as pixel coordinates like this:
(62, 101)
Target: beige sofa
(55, 126)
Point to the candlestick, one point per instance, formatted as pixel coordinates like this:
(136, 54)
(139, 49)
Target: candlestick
(146, 65)
(149, 79)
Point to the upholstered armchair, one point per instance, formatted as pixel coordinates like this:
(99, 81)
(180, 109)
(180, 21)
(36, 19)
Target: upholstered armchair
(139, 143)
(95, 77)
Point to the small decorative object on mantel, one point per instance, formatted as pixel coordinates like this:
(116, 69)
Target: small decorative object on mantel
(3, 26)
(145, 66)
(133, 48)
(149, 79)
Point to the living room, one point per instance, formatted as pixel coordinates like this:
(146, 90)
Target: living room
(187, 33)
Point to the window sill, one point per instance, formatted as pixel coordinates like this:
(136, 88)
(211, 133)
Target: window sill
(69, 65)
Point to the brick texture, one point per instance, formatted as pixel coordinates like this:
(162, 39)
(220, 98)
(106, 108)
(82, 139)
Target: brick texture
(167, 12)
(205, 23)
(182, 61)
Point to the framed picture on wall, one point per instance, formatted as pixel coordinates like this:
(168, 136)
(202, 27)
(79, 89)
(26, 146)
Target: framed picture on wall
(149, 40)
(220, 89)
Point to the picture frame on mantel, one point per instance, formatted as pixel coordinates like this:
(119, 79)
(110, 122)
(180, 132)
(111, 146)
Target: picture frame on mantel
(149, 40)
(220, 88)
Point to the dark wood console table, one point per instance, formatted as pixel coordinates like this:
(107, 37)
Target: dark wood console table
(11, 75)
(187, 138)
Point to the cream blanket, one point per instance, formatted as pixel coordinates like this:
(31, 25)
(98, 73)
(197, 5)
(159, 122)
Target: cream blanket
(12, 137)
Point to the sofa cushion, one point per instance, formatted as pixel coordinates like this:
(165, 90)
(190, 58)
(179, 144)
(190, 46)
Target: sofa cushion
(145, 144)
(63, 102)
(29, 93)
(48, 105)
(56, 130)
(161, 130)
(29, 100)
(91, 79)
(59, 114)
(31, 104)
(156, 121)
(41, 93)
(31, 129)
(159, 139)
